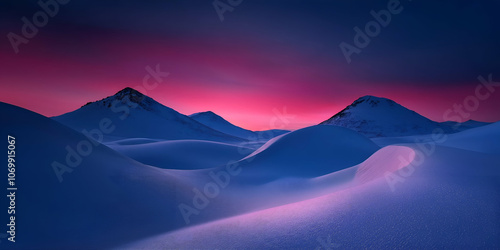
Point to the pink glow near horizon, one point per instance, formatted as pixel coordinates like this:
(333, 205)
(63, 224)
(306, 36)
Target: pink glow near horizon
(245, 83)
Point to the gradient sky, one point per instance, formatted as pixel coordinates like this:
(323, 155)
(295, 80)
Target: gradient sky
(265, 56)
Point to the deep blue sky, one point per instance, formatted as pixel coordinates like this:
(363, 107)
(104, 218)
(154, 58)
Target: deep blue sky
(279, 53)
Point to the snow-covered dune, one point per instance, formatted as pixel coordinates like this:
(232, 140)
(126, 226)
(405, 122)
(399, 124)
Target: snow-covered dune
(480, 139)
(381, 117)
(103, 191)
(104, 198)
(283, 170)
(181, 154)
(309, 152)
(484, 139)
(436, 205)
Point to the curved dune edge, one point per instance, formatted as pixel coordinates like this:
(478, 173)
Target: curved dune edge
(386, 160)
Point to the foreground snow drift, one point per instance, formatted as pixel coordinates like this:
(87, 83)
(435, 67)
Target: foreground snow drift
(104, 198)
(438, 205)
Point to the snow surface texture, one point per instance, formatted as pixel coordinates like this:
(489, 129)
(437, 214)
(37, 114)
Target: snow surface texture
(440, 205)
(319, 187)
(172, 154)
(382, 117)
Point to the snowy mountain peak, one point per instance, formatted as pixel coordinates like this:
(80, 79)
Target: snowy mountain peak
(373, 101)
(377, 116)
(371, 106)
(205, 113)
(129, 92)
(127, 96)
(208, 115)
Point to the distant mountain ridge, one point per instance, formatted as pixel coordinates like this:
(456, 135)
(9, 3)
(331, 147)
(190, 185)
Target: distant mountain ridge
(382, 117)
(135, 115)
(216, 122)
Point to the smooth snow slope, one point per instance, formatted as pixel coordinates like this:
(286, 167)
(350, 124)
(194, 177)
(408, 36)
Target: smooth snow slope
(105, 200)
(296, 191)
(481, 139)
(449, 200)
(309, 152)
(133, 114)
(276, 174)
(280, 172)
(484, 139)
(181, 154)
(108, 199)
(244, 194)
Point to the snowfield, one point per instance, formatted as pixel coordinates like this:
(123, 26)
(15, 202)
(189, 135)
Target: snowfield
(163, 180)
(438, 206)
(181, 154)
